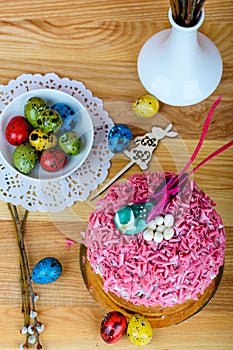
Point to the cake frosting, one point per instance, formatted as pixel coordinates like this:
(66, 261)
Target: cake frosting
(156, 272)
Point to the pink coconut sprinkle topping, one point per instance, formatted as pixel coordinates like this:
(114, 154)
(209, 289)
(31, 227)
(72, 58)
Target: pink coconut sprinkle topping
(151, 273)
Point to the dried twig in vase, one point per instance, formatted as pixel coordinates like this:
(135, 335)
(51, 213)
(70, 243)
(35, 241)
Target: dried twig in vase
(186, 13)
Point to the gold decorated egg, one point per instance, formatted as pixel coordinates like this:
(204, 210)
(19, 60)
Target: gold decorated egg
(146, 106)
(139, 330)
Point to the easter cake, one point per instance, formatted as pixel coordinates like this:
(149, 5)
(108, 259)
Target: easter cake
(166, 268)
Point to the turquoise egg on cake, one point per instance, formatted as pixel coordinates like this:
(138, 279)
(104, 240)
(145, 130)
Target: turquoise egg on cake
(132, 218)
(46, 271)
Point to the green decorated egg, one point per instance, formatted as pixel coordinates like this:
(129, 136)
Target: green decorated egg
(25, 158)
(32, 109)
(70, 143)
(49, 121)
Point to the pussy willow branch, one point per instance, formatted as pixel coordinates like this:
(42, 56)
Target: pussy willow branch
(23, 279)
(27, 292)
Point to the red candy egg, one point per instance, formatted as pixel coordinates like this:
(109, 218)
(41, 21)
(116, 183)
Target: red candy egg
(17, 131)
(113, 326)
(53, 160)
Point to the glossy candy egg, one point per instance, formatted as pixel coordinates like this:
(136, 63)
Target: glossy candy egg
(38, 139)
(146, 106)
(132, 219)
(17, 130)
(113, 326)
(69, 117)
(119, 138)
(32, 109)
(49, 121)
(53, 160)
(25, 158)
(46, 271)
(70, 143)
(139, 330)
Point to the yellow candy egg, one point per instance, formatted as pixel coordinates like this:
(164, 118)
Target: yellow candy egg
(139, 330)
(146, 106)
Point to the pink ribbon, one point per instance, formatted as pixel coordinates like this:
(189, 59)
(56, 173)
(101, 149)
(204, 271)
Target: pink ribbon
(169, 189)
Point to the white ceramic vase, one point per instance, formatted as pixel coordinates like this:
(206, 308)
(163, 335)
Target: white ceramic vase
(180, 66)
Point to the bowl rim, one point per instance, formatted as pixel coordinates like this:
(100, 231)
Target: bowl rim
(90, 130)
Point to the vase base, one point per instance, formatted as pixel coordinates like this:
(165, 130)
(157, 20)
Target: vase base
(177, 75)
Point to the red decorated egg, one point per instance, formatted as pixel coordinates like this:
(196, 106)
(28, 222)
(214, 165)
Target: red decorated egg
(113, 326)
(17, 131)
(53, 160)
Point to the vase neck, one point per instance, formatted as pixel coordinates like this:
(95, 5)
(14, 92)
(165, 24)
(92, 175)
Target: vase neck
(183, 36)
(185, 30)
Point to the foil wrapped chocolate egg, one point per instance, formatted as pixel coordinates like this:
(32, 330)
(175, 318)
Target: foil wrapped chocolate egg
(113, 326)
(46, 271)
(119, 138)
(139, 330)
(146, 106)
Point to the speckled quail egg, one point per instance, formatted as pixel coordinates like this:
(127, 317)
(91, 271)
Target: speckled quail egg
(32, 109)
(69, 117)
(53, 160)
(70, 143)
(46, 271)
(113, 326)
(139, 330)
(38, 139)
(119, 138)
(146, 106)
(52, 141)
(49, 121)
(17, 130)
(25, 158)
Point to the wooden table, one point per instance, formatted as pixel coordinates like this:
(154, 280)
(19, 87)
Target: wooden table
(97, 42)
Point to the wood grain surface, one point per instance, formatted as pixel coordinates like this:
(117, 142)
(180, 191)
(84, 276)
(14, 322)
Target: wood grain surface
(97, 42)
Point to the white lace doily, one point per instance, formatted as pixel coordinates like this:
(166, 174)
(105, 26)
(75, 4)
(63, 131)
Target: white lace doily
(55, 196)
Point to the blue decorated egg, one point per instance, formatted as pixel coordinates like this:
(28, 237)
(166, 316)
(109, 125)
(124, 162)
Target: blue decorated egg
(119, 138)
(69, 117)
(46, 271)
